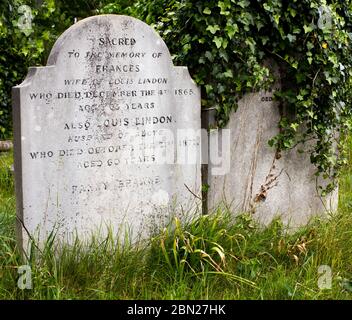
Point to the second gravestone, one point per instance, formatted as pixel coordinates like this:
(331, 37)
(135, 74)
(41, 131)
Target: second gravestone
(98, 134)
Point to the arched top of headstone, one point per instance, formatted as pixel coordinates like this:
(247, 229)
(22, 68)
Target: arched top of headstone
(109, 45)
(119, 35)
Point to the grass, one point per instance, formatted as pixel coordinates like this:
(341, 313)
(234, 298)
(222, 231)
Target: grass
(212, 257)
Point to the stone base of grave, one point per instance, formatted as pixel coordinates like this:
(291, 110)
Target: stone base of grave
(260, 181)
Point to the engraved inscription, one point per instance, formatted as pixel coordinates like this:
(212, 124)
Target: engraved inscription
(99, 131)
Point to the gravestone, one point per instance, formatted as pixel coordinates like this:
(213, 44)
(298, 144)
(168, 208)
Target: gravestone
(98, 135)
(258, 180)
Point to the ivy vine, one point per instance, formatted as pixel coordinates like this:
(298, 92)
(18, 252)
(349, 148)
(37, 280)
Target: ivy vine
(225, 45)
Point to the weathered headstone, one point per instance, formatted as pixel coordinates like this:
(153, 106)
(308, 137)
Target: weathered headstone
(96, 134)
(260, 181)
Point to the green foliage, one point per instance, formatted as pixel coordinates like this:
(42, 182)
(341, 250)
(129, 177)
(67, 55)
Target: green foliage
(196, 249)
(26, 37)
(148, 11)
(6, 178)
(230, 47)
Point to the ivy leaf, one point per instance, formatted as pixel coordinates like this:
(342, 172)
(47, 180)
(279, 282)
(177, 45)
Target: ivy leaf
(228, 74)
(267, 7)
(309, 28)
(310, 45)
(251, 43)
(259, 24)
(208, 88)
(209, 56)
(223, 54)
(276, 18)
(291, 38)
(293, 12)
(243, 3)
(231, 30)
(223, 5)
(296, 30)
(207, 11)
(310, 113)
(218, 42)
(264, 39)
(294, 126)
(287, 143)
(213, 29)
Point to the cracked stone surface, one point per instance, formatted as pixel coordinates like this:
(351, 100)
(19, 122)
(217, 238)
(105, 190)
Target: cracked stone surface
(258, 182)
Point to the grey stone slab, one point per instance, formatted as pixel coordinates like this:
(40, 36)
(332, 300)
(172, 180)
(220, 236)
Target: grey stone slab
(96, 134)
(257, 181)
